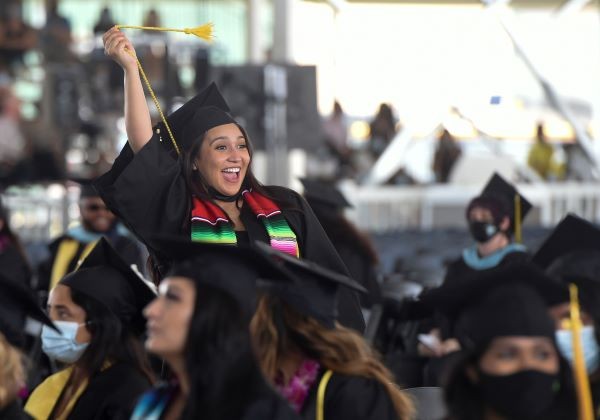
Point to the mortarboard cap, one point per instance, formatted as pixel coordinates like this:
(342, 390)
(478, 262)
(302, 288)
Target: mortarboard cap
(572, 234)
(231, 269)
(323, 194)
(204, 111)
(512, 309)
(105, 277)
(17, 304)
(307, 287)
(571, 253)
(502, 198)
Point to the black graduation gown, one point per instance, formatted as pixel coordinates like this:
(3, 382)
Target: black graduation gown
(147, 191)
(112, 394)
(459, 270)
(126, 247)
(351, 398)
(14, 411)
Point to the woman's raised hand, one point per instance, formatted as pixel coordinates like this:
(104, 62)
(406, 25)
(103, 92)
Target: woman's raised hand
(118, 47)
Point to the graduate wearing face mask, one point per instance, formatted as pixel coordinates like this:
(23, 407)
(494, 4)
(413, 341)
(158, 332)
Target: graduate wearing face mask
(509, 366)
(494, 219)
(571, 254)
(98, 310)
(492, 222)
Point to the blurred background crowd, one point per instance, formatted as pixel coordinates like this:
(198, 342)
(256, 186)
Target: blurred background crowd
(407, 107)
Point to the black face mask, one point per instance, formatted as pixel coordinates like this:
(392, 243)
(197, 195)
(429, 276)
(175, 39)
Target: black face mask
(482, 231)
(523, 395)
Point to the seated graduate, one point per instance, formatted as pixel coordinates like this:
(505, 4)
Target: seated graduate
(571, 254)
(199, 325)
(98, 310)
(509, 366)
(304, 351)
(18, 307)
(494, 222)
(199, 183)
(355, 247)
(494, 218)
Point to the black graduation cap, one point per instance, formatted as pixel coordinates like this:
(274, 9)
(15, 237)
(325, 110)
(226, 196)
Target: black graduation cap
(500, 189)
(104, 276)
(17, 303)
(512, 309)
(572, 234)
(204, 111)
(87, 189)
(309, 288)
(571, 253)
(232, 269)
(323, 194)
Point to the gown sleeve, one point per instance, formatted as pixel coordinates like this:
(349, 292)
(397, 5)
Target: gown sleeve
(146, 191)
(357, 398)
(315, 246)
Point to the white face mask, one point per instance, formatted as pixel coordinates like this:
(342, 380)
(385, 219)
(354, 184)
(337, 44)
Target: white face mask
(591, 352)
(62, 347)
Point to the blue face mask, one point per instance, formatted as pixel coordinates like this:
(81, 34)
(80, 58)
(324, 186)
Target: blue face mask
(63, 348)
(591, 352)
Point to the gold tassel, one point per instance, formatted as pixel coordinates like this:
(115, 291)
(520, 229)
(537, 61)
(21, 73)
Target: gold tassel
(205, 31)
(518, 234)
(582, 383)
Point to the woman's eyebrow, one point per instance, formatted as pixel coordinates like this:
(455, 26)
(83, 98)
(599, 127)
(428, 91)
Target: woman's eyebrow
(224, 138)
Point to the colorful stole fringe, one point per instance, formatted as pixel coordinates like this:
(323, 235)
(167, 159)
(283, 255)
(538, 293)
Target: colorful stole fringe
(211, 225)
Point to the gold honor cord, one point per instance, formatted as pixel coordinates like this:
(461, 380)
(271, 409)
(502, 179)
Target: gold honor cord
(321, 394)
(518, 234)
(582, 383)
(205, 32)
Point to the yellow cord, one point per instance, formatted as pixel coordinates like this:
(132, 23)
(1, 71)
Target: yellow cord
(149, 86)
(518, 234)
(204, 32)
(321, 395)
(582, 383)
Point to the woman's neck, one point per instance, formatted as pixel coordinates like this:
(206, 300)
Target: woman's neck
(233, 212)
(290, 364)
(177, 365)
(496, 243)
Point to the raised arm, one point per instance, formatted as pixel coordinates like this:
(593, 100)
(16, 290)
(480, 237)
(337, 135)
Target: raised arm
(137, 114)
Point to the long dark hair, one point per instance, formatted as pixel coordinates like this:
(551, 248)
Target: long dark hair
(223, 373)
(14, 239)
(464, 400)
(278, 329)
(111, 340)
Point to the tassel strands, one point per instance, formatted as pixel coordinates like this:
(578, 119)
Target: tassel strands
(204, 31)
(582, 383)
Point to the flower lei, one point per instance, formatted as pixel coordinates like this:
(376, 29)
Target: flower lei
(296, 391)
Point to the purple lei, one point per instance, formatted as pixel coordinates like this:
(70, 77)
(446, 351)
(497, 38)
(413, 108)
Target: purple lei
(296, 391)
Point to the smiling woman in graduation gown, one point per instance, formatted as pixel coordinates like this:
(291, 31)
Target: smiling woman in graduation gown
(98, 309)
(204, 188)
(302, 348)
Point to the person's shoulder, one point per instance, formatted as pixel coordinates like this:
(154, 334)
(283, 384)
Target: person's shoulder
(279, 191)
